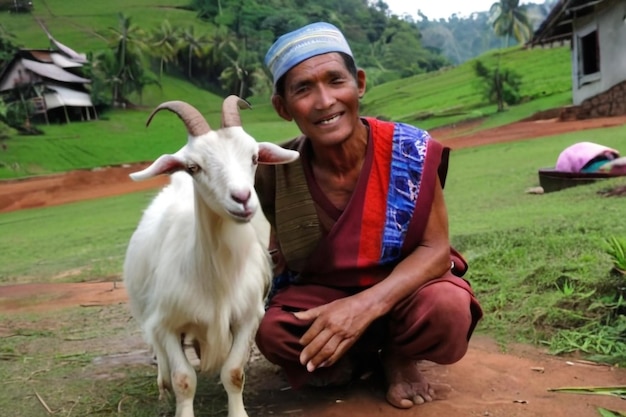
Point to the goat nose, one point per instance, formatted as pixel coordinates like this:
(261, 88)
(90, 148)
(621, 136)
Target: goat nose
(241, 196)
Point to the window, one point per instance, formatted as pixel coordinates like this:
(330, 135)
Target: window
(589, 54)
(588, 57)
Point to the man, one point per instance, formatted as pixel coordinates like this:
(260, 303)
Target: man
(359, 239)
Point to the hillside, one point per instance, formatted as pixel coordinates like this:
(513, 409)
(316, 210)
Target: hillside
(85, 27)
(445, 97)
(452, 95)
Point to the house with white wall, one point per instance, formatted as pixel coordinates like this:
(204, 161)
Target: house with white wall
(597, 32)
(51, 81)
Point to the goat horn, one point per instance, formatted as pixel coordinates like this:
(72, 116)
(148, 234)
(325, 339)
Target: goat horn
(193, 119)
(230, 110)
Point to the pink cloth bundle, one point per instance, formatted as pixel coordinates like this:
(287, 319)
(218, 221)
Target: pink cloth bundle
(575, 157)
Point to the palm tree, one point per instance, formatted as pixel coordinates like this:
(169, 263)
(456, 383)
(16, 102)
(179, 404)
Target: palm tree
(509, 19)
(105, 74)
(220, 43)
(242, 73)
(128, 43)
(196, 46)
(165, 42)
(233, 77)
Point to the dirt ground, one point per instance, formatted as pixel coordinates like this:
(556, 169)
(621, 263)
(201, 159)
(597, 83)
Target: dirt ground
(487, 382)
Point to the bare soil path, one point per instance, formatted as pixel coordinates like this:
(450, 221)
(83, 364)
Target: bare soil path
(487, 382)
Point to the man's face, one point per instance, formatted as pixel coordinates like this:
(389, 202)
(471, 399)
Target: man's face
(322, 97)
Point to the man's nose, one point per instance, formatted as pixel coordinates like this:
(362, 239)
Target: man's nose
(325, 97)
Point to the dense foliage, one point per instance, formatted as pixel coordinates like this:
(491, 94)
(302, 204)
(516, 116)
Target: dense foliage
(462, 38)
(387, 44)
(500, 86)
(7, 46)
(223, 48)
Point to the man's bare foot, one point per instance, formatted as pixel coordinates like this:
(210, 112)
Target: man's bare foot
(407, 386)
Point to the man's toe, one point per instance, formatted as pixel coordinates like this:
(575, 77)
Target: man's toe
(418, 399)
(398, 401)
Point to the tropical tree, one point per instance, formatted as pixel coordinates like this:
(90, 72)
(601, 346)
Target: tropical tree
(195, 46)
(234, 76)
(222, 42)
(510, 20)
(5, 130)
(7, 46)
(128, 44)
(165, 42)
(500, 86)
(105, 77)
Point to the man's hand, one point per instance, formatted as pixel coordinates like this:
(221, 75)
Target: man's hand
(335, 328)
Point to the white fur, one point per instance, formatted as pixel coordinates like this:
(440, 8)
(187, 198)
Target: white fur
(196, 265)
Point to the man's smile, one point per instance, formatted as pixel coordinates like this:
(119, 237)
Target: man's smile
(328, 120)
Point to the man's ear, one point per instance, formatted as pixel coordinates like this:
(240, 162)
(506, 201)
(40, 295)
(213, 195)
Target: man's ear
(360, 82)
(279, 105)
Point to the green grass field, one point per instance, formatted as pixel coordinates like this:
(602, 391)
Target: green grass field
(538, 263)
(451, 95)
(85, 28)
(507, 235)
(491, 218)
(428, 100)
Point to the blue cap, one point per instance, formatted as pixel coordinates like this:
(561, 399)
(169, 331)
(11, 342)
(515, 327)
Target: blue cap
(294, 47)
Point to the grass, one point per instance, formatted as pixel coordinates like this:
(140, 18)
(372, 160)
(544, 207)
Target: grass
(536, 260)
(537, 264)
(492, 179)
(75, 242)
(524, 250)
(452, 95)
(122, 136)
(56, 358)
(91, 362)
(428, 100)
(85, 29)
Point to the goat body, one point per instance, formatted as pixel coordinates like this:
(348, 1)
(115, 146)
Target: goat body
(196, 265)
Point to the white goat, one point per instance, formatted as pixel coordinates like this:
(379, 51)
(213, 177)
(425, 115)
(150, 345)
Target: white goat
(195, 265)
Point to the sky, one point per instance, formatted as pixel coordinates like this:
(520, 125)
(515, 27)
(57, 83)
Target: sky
(436, 9)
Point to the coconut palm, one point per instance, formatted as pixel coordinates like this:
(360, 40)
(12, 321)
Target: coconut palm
(165, 42)
(129, 44)
(233, 77)
(242, 73)
(196, 45)
(509, 19)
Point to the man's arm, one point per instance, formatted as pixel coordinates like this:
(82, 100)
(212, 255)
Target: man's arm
(338, 325)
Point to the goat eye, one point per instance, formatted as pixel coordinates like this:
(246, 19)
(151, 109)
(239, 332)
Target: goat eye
(192, 169)
(255, 159)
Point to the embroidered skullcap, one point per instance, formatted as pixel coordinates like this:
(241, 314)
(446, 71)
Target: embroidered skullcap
(294, 47)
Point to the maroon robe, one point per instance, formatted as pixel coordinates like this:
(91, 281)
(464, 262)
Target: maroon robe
(328, 253)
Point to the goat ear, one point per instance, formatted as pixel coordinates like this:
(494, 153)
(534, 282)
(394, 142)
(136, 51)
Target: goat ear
(166, 164)
(271, 154)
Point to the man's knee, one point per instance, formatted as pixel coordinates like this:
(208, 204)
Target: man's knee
(435, 323)
(277, 339)
(449, 306)
(450, 313)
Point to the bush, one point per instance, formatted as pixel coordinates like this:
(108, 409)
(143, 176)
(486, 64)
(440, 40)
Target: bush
(500, 86)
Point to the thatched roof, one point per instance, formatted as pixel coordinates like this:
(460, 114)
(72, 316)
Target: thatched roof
(558, 24)
(53, 72)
